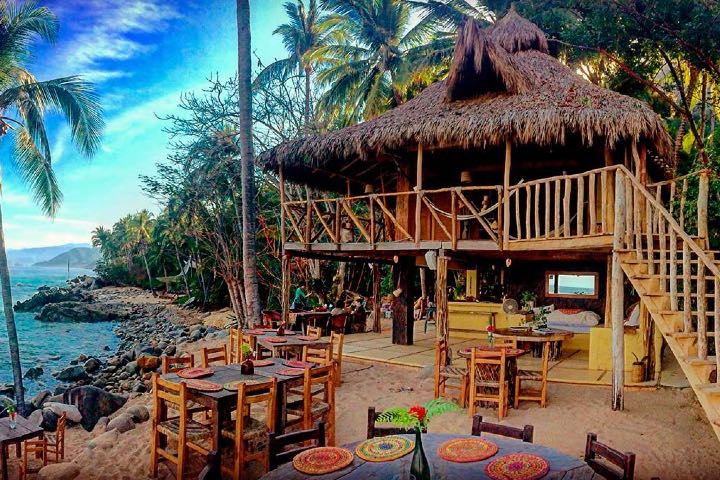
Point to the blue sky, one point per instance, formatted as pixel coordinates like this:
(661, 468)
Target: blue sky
(141, 55)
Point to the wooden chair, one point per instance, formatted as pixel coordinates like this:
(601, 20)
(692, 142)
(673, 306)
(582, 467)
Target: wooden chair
(56, 440)
(214, 356)
(314, 331)
(336, 342)
(236, 341)
(278, 451)
(250, 434)
(185, 432)
(506, 343)
(448, 376)
(540, 376)
(525, 434)
(175, 364)
(487, 381)
(374, 431)
(33, 450)
(317, 402)
(611, 464)
(321, 355)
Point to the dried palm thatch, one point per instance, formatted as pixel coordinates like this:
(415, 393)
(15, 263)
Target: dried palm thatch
(480, 65)
(515, 33)
(543, 103)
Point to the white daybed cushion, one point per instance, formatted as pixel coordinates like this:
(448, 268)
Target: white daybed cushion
(585, 318)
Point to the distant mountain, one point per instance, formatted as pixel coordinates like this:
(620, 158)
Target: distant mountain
(23, 257)
(79, 257)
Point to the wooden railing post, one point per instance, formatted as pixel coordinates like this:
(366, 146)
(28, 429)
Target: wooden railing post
(338, 220)
(419, 196)
(506, 193)
(285, 288)
(281, 184)
(702, 208)
(308, 217)
(376, 297)
(441, 315)
(617, 297)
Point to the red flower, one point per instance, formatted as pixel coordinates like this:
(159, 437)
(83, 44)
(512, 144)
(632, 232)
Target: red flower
(418, 411)
(491, 328)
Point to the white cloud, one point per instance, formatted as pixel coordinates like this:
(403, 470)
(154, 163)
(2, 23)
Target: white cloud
(20, 199)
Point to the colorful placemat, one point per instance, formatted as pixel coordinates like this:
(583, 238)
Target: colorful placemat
(384, 449)
(464, 450)
(263, 363)
(297, 364)
(203, 385)
(486, 349)
(307, 338)
(195, 372)
(517, 466)
(255, 331)
(234, 386)
(290, 332)
(291, 372)
(276, 340)
(321, 460)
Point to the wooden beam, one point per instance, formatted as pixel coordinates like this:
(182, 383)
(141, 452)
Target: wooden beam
(376, 297)
(442, 330)
(617, 295)
(285, 288)
(609, 194)
(281, 184)
(418, 198)
(402, 311)
(702, 208)
(506, 199)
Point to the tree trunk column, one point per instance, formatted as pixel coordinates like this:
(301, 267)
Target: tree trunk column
(377, 326)
(402, 312)
(442, 328)
(285, 288)
(617, 298)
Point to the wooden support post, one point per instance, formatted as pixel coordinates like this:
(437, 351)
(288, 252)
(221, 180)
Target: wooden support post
(701, 312)
(377, 274)
(442, 330)
(281, 184)
(609, 198)
(402, 205)
(308, 217)
(617, 295)
(506, 192)
(285, 288)
(608, 288)
(418, 199)
(702, 208)
(642, 164)
(402, 311)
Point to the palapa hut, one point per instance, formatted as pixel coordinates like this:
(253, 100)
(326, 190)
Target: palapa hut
(508, 169)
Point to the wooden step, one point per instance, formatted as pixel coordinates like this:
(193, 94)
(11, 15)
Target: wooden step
(682, 335)
(710, 388)
(698, 362)
(680, 312)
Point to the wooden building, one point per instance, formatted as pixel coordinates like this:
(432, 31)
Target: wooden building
(528, 177)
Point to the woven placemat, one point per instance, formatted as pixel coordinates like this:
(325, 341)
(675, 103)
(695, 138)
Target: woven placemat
(297, 364)
(263, 363)
(384, 449)
(321, 460)
(517, 466)
(276, 340)
(291, 372)
(195, 372)
(203, 385)
(463, 450)
(234, 386)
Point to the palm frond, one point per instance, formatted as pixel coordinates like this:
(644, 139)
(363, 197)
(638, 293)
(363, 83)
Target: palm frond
(36, 171)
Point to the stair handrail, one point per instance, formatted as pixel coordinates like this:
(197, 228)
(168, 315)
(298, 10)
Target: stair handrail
(679, 231)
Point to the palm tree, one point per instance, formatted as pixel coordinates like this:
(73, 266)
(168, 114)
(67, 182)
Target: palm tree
(23, 103)
(101, 238)
(141, 228)
(386, 59)
(306, 31)
(247, 163)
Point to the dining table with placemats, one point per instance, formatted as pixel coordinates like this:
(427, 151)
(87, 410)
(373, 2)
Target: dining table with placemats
(511, 356)
(23, 430)
(271, 341)
(553, 336)
(503, 455)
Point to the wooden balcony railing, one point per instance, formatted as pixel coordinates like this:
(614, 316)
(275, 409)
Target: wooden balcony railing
(674, 195)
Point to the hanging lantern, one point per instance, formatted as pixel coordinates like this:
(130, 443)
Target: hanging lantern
(465, 177)
(369, 189)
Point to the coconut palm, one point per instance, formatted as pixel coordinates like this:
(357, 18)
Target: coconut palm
(141, 230)
(23, 103)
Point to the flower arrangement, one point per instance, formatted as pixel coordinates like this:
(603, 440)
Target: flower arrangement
(12, 412)
(490, 331)
(247, 352)
(417, 417)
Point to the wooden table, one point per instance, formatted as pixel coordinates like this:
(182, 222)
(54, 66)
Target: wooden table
(302, 318)
(511, 355)
(562, 466)
(291, 343)
(8, 436)
(527, 335)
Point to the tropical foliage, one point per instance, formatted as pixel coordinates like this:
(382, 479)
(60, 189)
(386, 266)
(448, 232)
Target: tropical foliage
(417, 416)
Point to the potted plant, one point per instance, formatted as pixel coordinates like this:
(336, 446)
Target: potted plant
(417, 418)
(12, 413)
(247, 367)
(638, 369)
(527, 298)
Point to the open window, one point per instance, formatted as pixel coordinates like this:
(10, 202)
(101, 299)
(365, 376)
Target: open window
(571, 284)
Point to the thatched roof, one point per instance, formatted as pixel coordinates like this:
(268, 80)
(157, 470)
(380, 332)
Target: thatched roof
(490, 95)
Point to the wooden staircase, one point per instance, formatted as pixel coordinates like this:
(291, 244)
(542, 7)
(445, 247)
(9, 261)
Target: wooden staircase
(678, 280)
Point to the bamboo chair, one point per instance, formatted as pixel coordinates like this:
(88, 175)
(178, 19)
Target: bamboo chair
(323, 356)
(279, 454)
(541, 376)
(56, 440)
(336, 343)
(33, 450)
(316, 404)
(487, 376)
(250, 434)
(185, 432)
(237, 340)
(525, 434)
(613, 464)
(214, 356)
(175, 364)
(314, 331)
(375, 431)
(448, 376)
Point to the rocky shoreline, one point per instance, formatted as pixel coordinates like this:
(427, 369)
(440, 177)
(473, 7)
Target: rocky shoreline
(96, 384)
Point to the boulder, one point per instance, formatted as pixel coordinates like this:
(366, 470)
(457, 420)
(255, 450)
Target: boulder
(139, 413)
(101, 425)
(7, 389)
(132, 367)
(148, 362)
(93, 404)
(40, 398)
(34, 372)
(45, 296)
(81, 312)
(122, 423)
(49, 421)
(91, 365)
(59, 471)
(104, 441)
(74, 373)
(71, 411)
(36, 418)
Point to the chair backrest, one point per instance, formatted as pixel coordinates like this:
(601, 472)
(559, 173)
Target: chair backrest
(279, 453)
(249, 395)
(214, 356)
(236, 341)
(613, 464)
(319, 355)
(525, 434)
(487, 367)
(441, 353)
(375, 431)
(337, 340)
(175, 364)
(318, 376)
(314, 331)
(506, 342)
(60, 431)
(169, 395)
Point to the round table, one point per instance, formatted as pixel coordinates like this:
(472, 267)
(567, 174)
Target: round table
(562, 466)
(553, 336)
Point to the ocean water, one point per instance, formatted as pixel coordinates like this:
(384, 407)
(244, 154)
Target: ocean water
(49, 345)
